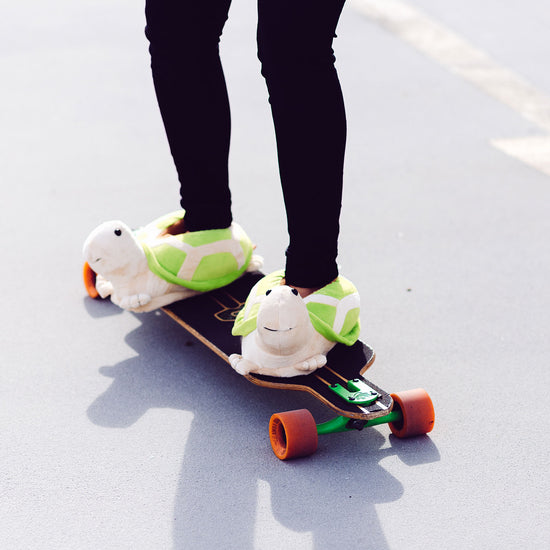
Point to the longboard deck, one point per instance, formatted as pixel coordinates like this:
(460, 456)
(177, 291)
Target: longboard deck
(210, 316)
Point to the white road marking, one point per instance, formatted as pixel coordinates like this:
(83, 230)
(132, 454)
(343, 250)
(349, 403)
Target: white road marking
(458, 56)
(534, 151)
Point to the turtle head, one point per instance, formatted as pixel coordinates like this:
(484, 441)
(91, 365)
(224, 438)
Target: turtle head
(283, 321)
(112, 249)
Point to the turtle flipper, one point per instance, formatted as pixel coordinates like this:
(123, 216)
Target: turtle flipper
(241, 365)
(103, 286)
(134, 301)
(314, 363)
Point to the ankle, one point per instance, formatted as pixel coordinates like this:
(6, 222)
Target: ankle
(177, 228)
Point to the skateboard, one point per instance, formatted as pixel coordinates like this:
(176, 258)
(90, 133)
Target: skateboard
(339, 385)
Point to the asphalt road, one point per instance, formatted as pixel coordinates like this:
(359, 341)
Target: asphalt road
(120, 432)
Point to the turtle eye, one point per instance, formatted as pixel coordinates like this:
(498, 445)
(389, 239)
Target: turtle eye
(118, 232)
(295, 292)
(268, 292)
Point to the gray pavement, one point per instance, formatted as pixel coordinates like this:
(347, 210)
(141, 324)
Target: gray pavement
(115, 433)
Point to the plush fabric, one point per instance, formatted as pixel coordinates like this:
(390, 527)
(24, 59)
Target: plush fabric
(333, 310)
(201, 260)
(285, 335)
(142, 271)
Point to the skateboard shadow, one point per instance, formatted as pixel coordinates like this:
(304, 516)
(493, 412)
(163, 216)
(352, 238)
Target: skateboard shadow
(98, 308)
(229, 473)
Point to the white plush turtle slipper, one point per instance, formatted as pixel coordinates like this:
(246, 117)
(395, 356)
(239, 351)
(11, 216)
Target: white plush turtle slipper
(286, 335)
(199, 260)
(143, 270)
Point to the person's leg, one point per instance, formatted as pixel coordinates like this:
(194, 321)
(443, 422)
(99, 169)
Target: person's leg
(295, 48)
(190, 86)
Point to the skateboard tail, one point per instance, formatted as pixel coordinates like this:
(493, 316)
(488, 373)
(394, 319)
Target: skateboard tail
(294, 434)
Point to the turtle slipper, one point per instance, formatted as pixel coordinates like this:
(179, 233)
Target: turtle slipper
(198, 260)
(146, 269)
(286, 335)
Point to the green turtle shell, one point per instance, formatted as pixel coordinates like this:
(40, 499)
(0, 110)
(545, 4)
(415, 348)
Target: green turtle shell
(333, 310)
(199, 260)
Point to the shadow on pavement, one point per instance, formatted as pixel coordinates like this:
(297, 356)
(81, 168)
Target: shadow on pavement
(330, 496)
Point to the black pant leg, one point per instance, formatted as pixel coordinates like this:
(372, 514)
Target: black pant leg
(295, 48)
(192, 96)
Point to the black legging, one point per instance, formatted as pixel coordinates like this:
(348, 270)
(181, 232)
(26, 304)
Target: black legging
(295, 49)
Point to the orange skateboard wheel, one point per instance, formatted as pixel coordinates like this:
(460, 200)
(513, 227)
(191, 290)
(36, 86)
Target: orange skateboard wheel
(89, 277)
(417, 412)
(293, 434)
